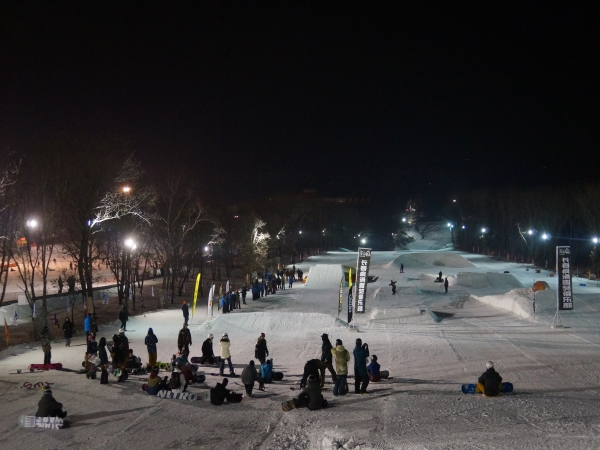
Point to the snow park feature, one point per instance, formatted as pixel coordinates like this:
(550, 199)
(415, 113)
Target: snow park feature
(486, 316)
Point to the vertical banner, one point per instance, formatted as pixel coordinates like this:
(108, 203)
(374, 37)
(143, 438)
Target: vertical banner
(350, 305)
(563, 272)
(362, 274)
(211, 295)
(227, 287)
(341, 301)
(196, 294)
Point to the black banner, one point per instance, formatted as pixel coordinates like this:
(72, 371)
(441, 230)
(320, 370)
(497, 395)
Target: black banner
(341, 302)
(350, 305)
(362, 275)
(563, 272)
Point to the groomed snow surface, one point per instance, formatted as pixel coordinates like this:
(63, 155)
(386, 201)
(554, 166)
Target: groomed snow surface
(487, 316)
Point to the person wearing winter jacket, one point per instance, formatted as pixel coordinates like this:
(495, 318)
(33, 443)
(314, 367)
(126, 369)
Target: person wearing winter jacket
(373, 369)
(342, 357)
(184, 340)
(103, 355)
(87, 325)
(49, 407)
(46, 347)
(186, 312)
(150, 341)
(121, 352)
(490, 381)
(266, 371)
(249, 376)
(225, 354)
(260, 350)
(68, 331)
(311, 397)
(175, 383)
(360, 353)
(154, 382)
(123, 317)
(316, 368)
(326, 356)
(208, 355)
(220, 393)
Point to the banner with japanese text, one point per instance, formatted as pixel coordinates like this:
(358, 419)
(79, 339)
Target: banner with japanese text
(362, 275)
(564, 292)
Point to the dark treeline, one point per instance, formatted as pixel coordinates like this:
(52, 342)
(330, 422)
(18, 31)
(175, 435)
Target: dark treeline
(527, 224)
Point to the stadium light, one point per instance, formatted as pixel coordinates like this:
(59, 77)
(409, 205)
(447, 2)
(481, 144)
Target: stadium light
(31, 223)
(363, 241)
(545, 236)
(404, 219)
(126, 189)
(463, 227)
(483, 230)
(595, 240)
(530, 232)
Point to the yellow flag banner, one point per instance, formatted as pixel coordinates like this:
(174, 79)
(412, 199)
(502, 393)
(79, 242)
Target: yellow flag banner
(196, 294)
(350, 278)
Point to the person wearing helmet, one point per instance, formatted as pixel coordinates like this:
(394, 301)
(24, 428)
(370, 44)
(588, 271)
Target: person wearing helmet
(208, 355)
(49, 407)
(186, 312)
(490, 382)
(225, 354)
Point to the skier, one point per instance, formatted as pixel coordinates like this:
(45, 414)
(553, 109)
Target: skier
(249, 376)
(260, 350)
(225, 354)
(186, 312)
(490, 381)
(446, 285)
(87, 325)
(49, 407)
(342, 357)
(393, 285)
(184, 340)
(374, 369)
(123, 317)
(208, 356)
(68, 331)
(361, 353)
(103, 361)
(46, 347)
(326, 357)
(315, 368)
(150, 341)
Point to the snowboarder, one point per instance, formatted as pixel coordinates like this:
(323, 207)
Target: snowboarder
(310, 397)
(260, 350)
(154, 382)
(225, 354)
(184, 340)
(249, 376)
(361, 353)
(49, 407)
(440, 276)
(446, 285)
(150, 341)
(208, 355)
(68, 331)
(374, 369)
(123, 317)
(401, 268)
(186, 312)
(87, 325)
(220, 393)
(46, 347)
(393, 285)
(342, 357)
(490, 381)
(326, 356)
(315, 368)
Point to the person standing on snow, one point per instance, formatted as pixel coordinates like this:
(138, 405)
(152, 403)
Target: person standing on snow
(186, 312)
(87, 325)
(103, 355)
(401, 268)
(490, 381)
(46, 347)
(151, 340)
(184, 340)
(208, 356)
(260, 350)
(225, 354)
(68, 331)
(249, 376)
(326, 357)
(393, 285)
(342, 357)
(123, 317)
(446, 285)
(361, 353)
(244, 291)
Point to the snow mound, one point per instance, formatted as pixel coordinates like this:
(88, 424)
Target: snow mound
(441, 259)
(515, 301)
(487, 280)
(324, 276)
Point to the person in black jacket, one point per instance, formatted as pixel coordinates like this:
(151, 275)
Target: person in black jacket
(68, 331)
(326, 356)
(260, 350)
(208, 355)
(490, 382)
(315, 368)
(184, 340)
(311, 397)
(220, 393)
(123, 317)
(186, 312)
(49, 407)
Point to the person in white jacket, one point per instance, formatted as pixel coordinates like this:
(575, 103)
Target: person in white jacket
(225, 354)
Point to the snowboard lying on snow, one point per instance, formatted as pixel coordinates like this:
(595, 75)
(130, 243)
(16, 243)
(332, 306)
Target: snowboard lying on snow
(178, 395)
(33, 367)
(200, 360)
(52, 423)
(470, 388)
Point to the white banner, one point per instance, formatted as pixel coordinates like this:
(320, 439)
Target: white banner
(211, 294)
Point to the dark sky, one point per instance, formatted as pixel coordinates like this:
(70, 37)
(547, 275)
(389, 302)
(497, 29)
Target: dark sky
(341, 96)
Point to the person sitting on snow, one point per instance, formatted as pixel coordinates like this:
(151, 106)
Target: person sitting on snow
(49, 407)
(311, 397)
(490, 382)
(155, 383)
(373, 369)
(266, 371)
(220, 393)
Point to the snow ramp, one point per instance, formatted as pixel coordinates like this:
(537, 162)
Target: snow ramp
(324, 276)
(497, 281)
(441, 259)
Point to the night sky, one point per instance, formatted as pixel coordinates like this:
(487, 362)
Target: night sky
(345, 97)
